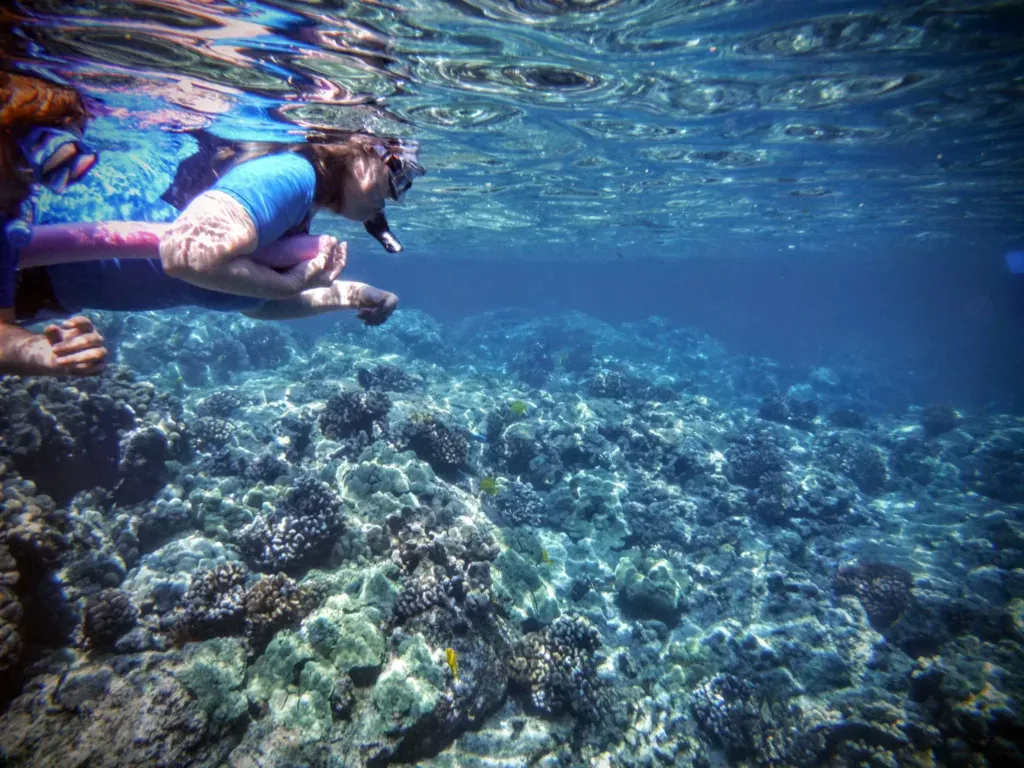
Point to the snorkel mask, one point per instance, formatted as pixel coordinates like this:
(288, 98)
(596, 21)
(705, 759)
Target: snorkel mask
(56, 158)
(403, 167)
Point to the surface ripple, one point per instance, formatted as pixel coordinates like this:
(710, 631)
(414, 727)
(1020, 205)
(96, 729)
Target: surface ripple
(540, 117)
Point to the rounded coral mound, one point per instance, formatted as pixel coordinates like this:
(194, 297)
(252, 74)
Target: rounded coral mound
(108, 615)
(299, 533)
(274, 603)
(67, 438)
(883, 589)
(348, 413)
(214, 603)
(938, 419)
(557, 668)
(10, 611)
(444, 448)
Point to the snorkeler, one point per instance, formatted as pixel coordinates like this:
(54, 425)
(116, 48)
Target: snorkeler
(272, 190)
(41, 144)
(240, 245)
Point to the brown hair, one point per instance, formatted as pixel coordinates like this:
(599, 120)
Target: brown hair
(27, 102)
(332, 155)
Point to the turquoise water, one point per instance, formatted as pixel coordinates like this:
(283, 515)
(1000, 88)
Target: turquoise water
(695, 439)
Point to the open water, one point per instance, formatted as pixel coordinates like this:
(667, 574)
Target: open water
(696, 439)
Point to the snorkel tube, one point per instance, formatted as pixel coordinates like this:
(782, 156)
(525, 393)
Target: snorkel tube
(402, 161)
(381, 232)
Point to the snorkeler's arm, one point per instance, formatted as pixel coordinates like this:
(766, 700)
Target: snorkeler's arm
(374, 305)
(72, 349)
(212, 245)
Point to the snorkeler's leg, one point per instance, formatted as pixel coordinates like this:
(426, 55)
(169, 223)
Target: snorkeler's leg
(67, 243)
(91, 241)
(374, 305)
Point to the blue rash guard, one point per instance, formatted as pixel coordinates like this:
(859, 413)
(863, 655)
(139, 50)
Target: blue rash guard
(276, 191)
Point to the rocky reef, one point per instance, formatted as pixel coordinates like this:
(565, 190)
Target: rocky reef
(509, 541)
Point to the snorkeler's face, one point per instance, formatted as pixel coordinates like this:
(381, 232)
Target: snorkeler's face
(365, 188)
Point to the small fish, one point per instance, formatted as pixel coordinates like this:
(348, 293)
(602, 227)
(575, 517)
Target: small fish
(489, 485)
(518, 407)
(545, 557)
(477, 436)
(453, 661)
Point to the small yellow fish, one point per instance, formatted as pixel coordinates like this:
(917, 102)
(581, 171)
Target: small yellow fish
(453, 661)
(518, 407)
(489, 485)
(545, 557)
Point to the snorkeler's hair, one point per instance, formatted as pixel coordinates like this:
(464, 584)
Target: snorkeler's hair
(28, 102)
(331, 154)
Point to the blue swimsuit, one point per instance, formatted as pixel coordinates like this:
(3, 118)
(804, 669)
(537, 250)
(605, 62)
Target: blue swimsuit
(276, 191)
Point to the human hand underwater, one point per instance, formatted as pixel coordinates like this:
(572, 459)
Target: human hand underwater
(324, 268)
(76, 348)
(375, 306)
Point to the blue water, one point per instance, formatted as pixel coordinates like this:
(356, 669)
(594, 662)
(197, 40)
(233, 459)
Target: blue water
(709, 346)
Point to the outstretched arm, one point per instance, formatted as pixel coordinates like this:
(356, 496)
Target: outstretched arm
(374, 305)
(211, 245)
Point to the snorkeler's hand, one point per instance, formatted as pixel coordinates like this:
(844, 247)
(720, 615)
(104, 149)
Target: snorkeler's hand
(323, 269)
(375, 305)
(335, 257)
(77, 349)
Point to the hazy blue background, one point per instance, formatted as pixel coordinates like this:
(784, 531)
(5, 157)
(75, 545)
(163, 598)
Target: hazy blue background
(822, 183)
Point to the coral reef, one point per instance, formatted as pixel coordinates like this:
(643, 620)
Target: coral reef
(108, 615)
(299, 533)
(214, 604)
(11, 612)
(656, 553)
(444, 448)
(386, 378)
(883, 589)
(939, 419)
(348, 413)
(266, 345)
(274, 603)
(69, 438)
(557, 669)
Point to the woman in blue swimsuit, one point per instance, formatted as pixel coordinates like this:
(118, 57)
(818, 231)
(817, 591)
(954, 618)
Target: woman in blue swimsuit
(239, 245)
